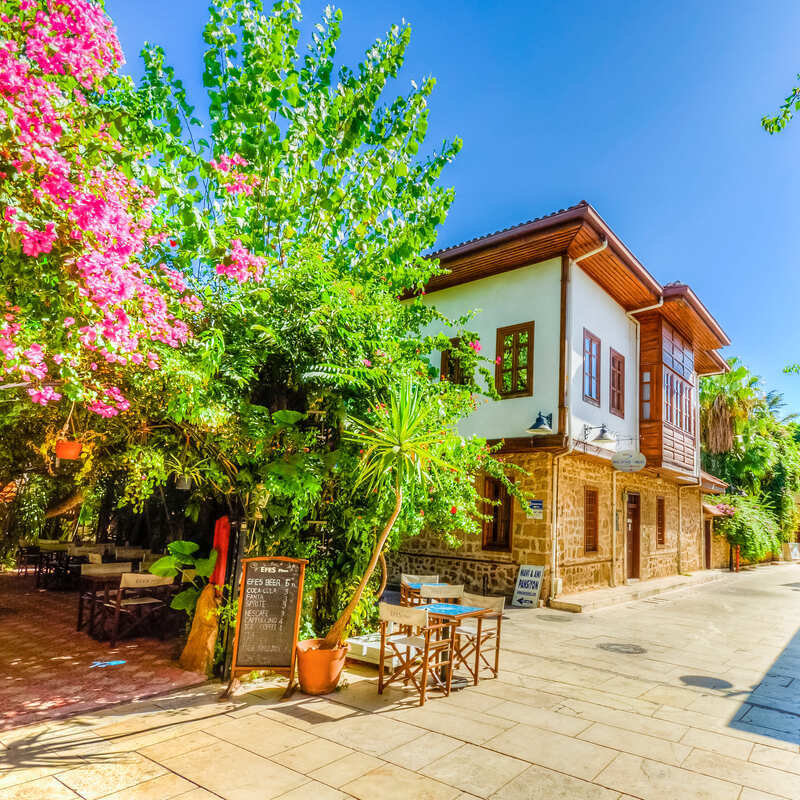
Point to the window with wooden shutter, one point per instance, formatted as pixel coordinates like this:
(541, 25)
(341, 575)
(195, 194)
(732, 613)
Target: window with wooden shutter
(499, 509)
(661, 522)
(616, 392)
(590, 520)
(452, 370)
(514, 369)
(591, 368)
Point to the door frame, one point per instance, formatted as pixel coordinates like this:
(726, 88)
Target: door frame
(708, 531)
(633, 560)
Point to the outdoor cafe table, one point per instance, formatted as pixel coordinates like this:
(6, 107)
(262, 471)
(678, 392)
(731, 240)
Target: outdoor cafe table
(452, 612)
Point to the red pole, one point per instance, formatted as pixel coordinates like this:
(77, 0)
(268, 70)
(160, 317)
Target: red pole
(737, 557)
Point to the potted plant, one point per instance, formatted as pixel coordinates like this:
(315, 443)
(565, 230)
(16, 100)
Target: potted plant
(68, 449)
(397, 452)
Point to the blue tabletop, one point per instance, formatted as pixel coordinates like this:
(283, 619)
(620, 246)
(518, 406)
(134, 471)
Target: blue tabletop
(420, 585)
(450, 609)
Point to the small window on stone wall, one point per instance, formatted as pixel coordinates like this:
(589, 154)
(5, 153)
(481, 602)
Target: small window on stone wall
(590, 520)
(661, 522)
(497, 529)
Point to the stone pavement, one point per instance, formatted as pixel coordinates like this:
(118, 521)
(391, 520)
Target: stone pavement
(695, 694)
(46, 666)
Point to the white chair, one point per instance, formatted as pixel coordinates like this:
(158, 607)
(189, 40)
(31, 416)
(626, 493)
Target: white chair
(473, 634)
(446, 593)
(409, 596)
(421, 650)
(133, 553)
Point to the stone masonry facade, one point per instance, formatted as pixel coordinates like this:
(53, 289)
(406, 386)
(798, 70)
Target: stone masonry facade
(493, 572)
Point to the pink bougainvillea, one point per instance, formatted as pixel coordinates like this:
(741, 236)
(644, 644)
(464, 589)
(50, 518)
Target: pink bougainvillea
(241, 265)
(71, 214)
(234, 181)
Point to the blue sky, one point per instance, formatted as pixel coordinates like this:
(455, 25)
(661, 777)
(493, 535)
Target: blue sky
(649, 111)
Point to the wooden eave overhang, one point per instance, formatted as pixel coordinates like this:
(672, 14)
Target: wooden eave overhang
(685, 312)
(575, 231)
(712, 484)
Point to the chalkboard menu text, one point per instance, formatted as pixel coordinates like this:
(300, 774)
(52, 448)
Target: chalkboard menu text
(270, 599)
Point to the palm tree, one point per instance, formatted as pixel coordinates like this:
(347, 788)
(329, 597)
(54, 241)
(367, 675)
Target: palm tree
(726, 403)
(398, 452)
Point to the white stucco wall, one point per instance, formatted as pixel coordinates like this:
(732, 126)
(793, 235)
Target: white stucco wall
(521, 295)
(591, 307)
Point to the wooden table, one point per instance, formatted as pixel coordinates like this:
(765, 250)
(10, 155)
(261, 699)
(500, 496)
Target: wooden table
(454, 612)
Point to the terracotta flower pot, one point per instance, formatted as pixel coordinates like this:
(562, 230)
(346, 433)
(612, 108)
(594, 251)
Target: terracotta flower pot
(68, 450)
(318, 671)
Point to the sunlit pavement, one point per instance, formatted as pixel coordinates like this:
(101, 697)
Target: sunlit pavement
(49, 669)
(694, 694)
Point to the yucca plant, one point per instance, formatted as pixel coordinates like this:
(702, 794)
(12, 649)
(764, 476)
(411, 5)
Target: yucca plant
(403, 448)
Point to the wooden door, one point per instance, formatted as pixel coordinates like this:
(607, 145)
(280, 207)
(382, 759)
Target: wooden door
(707, 542)
(633, 539)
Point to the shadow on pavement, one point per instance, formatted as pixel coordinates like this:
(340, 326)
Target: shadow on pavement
(772, 708)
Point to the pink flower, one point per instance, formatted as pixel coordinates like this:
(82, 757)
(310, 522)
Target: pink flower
(68, 321)
(476, 346)
(366, 362)
(44, 395)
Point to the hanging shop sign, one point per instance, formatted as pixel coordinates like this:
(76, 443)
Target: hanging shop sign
(628, 461)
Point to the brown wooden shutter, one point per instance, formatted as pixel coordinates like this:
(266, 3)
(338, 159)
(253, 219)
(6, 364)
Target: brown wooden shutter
(661, 522)
(616, 397)
(590, 520)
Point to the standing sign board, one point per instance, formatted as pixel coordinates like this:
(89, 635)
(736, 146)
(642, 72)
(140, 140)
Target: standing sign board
(529, 584)
(270, 599)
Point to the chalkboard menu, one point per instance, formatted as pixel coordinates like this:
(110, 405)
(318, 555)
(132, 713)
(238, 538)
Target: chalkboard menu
(270, 597)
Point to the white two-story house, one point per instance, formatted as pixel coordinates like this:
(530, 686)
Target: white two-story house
(593, 357)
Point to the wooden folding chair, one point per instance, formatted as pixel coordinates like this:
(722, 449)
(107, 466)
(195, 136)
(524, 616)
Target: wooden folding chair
(409, 596)
(131, 610)
(447, 593)
(27, 556)
(473, 635)
(421, 650)
(93, 588)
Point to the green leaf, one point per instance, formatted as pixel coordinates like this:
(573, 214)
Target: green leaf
(185, 600)
(287, 417)
(182, 548)
(205, 566)
(166, 567)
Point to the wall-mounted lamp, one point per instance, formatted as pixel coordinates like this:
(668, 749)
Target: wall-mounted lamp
(603, 438)
(543, 424)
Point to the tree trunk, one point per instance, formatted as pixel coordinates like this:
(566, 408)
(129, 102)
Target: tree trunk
(198, 654)
(334, 638)
(65, 505)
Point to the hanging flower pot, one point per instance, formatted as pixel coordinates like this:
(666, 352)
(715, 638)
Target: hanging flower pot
(183, 483)
(68, 449)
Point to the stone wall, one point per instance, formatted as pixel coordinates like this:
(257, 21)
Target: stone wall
(482, 570)
(581, 570)
(720, 550)
(495, 572)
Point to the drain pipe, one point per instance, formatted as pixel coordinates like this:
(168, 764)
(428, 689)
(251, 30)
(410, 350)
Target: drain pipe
(613, 581)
